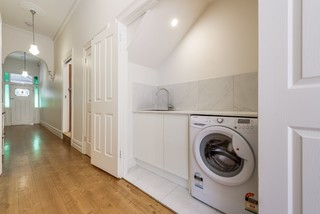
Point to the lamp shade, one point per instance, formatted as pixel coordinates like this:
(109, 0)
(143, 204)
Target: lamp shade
(34, 50)
(24, 73)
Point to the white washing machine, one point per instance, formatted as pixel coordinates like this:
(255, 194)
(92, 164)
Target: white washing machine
(223, 162)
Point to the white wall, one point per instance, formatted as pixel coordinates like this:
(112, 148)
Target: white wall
(15, 39)
(142, 74)
(47, 103)
(88, 19)
(223, 42)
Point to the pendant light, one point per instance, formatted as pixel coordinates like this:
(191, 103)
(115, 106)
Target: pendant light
(24, 72)
(33, 48)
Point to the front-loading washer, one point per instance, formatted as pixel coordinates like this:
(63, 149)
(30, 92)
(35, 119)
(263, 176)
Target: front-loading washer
(223, 162)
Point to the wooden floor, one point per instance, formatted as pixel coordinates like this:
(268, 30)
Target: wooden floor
(44, 175)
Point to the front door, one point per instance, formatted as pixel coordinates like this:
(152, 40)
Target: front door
(289, 106)
(21, 104)
(104, 103)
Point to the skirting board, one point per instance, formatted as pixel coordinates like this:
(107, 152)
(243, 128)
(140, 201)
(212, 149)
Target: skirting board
(131, 162)
(175, 179)
(52, 129)
(76, 144)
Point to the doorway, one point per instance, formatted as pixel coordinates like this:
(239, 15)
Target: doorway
(67, 100)
(21, 91)
(87, 99)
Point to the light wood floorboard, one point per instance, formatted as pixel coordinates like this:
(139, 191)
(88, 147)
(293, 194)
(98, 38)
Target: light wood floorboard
(41, 174)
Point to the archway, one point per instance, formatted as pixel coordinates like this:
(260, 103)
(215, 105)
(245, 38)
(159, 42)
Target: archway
(21, 93)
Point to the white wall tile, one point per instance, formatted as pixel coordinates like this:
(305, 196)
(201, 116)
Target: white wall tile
(216, 94)
(246, 92)
(232, 93)
(186, 96)
(143, 96)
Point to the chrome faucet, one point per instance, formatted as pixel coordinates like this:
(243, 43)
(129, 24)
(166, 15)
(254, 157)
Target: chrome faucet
(170, 107)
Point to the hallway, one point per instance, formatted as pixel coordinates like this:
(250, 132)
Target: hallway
(41, 174)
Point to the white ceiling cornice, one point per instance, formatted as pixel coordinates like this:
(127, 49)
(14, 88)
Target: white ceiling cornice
(66, 20)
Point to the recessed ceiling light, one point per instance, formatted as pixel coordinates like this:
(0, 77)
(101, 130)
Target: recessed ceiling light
(174, 22)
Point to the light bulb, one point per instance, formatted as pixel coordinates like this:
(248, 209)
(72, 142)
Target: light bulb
(34, 50)
(174, 22)
(25, 73)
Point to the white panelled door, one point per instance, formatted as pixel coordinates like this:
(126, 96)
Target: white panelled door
(289, 106)
(104, 103)
(21, 102)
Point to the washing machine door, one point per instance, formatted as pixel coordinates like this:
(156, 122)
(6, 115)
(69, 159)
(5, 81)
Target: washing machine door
(224, 155)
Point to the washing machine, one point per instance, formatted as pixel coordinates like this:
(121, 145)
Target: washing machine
(223, 162)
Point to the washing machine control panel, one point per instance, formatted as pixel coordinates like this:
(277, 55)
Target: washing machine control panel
(203, 121)
(246, 124)
(237, 123)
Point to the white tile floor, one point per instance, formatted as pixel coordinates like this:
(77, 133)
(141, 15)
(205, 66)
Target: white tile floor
(168, 193)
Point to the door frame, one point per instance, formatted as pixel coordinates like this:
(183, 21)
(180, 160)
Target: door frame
(126, 17)
(67, 57)
(1, 120)
(85, 48)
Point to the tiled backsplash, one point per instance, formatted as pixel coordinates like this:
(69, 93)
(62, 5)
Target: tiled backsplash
(232, 93)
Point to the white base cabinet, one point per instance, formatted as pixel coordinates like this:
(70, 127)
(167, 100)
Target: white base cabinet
(175, 144)
(148, 138)
(161, 140)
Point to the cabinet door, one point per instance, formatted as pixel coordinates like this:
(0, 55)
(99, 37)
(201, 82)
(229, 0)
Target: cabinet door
(176, 144)
(148, 138)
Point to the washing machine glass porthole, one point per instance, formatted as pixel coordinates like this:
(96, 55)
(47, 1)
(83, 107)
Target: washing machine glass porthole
(217, 153)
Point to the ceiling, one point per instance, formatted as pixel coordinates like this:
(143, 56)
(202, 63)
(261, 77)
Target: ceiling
(49, 19)
(154, 38)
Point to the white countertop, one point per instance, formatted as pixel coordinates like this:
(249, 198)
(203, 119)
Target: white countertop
(215, 113)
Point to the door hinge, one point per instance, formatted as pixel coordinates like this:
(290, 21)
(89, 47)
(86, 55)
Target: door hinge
(120, 154)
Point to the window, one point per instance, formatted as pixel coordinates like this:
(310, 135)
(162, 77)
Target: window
(18, 78)
(21, 92)
(7, 96)
(6, 77)
(36, 92)
(35, 80)
(36, 96)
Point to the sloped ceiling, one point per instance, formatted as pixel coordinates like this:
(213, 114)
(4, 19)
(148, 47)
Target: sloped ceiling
(155, 39)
